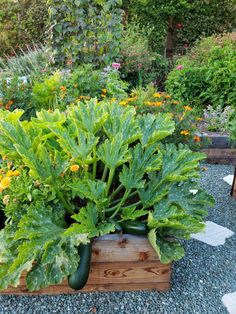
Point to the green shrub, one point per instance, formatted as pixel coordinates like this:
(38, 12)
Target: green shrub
(140, 65)
(207, 74)
(75, 176)
(22, 22)
(191, 20)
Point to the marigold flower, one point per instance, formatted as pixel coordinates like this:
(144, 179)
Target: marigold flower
(174, 102)
(184, 132)
(16, 173)
(113, 99)
(5, 182)
(157, 95)
(188, 108)
(158, 103)
(167, 96)
(104, 91)
(197, 139)
(74, 168)
(63, 88)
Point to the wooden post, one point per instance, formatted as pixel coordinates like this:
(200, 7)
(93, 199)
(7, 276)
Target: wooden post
(119, 263)
(233, 190)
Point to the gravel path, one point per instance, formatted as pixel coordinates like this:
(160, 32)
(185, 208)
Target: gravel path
(198, 283)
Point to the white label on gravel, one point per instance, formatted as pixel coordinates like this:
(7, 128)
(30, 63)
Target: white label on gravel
(229, 179)
(214, 234)
(229, 301)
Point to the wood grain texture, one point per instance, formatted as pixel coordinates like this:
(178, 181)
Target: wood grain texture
(220, 156)
(119, 263)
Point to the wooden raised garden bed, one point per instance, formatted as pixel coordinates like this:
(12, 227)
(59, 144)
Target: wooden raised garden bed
(119, 263)
(218, 150)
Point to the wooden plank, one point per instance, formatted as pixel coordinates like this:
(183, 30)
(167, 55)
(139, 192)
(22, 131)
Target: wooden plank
(119, 263)
(122, 248)
(221, 156)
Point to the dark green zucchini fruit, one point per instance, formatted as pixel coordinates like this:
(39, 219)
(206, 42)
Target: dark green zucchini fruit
(134, 227)
(79, 279)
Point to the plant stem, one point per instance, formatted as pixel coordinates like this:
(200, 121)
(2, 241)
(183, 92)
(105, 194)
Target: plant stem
(104, 175)
(110, 179)
(67, 205)
(119, 199)
(124, 198)
(95, 163)
(117, 191)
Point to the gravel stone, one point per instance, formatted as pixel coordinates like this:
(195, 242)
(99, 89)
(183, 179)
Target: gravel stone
(199, 280)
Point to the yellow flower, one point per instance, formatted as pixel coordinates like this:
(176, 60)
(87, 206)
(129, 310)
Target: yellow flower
(123, 103)
(75, 85)
(103, 96)
(74, 168)
(4, 158)
(158, 103)
(5, 182)
(188, 108)
(157, 95)
(184, 132)
(148, 103)
(131, 99)
(167, 96)
(113, 99)
(9, 173)
(16, 173)
(174, 102)
(104, 91)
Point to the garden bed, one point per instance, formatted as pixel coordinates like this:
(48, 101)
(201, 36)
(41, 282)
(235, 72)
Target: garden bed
(119, 263)
(218, 149)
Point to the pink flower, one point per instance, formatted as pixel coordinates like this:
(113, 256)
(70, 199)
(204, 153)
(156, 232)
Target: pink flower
(140, 66)
(116, 65)
(180, 67)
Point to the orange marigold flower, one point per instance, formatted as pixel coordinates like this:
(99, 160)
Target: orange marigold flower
(188, 108)
(74, 168)
(63, 88)
(184, 132)
(158, 103)
(197, 139)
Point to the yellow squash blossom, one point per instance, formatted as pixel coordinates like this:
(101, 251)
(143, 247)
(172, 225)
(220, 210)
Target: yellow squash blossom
(74, 168)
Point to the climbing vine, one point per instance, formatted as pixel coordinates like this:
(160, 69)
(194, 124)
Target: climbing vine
(85, 31)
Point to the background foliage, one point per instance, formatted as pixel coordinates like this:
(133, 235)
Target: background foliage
(22, 22)
(207, 74)
(85, 31)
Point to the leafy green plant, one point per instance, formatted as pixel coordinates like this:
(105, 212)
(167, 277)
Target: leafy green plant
(140, 65)
(85, 31)
(76, 175)
(22, 22)
(206, 75)
(30, 62)
(148, 100)
(218, 119)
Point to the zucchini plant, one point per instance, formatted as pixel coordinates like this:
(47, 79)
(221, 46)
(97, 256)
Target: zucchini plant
(68, 177)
